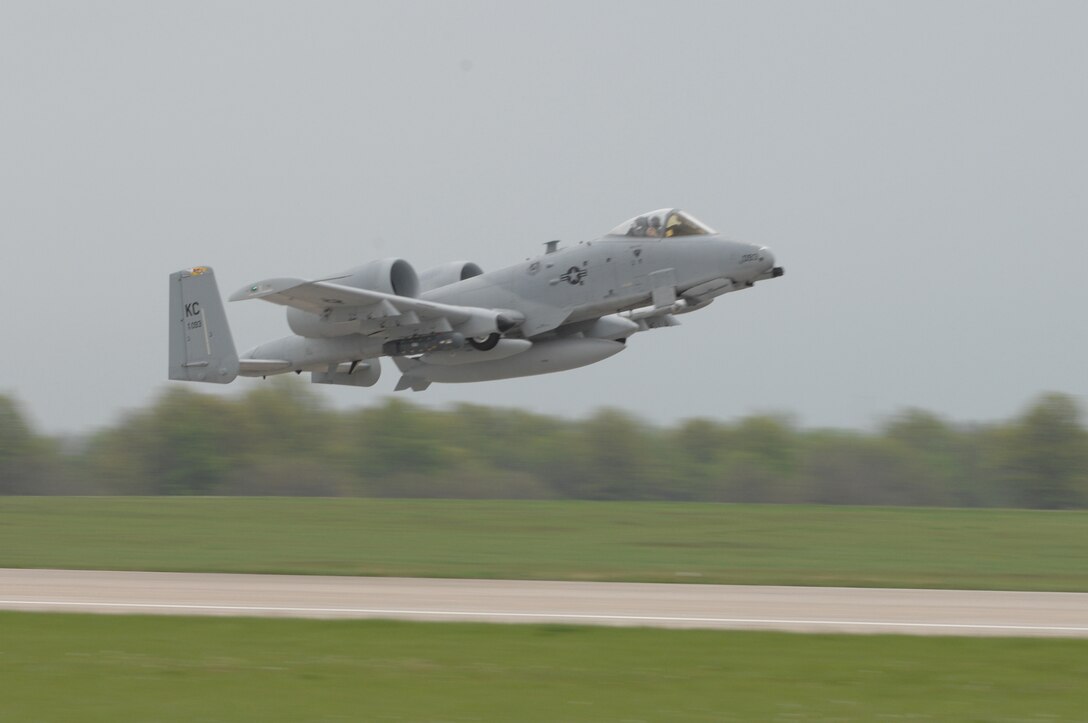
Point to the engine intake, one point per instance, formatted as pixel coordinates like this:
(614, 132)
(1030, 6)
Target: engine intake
(390, 276)
(393, 276)
(447, 274)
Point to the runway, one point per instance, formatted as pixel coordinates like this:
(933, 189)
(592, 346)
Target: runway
(735, 607)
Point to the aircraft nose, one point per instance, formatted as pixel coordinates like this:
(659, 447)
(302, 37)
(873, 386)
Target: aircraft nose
(766, 258)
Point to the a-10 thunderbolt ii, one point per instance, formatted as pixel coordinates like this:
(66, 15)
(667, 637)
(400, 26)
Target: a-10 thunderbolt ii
(567, 308)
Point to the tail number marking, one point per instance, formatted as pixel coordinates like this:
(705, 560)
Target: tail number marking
(193, 309)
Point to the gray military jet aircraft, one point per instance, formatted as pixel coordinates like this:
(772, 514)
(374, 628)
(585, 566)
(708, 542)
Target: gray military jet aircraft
(570, 307)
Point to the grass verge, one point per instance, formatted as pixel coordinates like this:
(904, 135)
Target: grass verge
(130, 668)
(634, 541)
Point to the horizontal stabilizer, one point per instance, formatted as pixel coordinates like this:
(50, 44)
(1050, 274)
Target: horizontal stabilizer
(262, 367)
(354, 374)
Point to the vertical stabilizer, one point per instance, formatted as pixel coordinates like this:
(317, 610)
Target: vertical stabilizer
(201, 347)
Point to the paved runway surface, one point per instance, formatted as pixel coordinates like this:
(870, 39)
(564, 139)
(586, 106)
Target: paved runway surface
(802, 609)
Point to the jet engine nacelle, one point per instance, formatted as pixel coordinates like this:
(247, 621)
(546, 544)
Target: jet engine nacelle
(390, 276)
(447, 274)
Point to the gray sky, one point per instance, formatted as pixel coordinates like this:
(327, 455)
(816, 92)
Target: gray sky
(920, 169)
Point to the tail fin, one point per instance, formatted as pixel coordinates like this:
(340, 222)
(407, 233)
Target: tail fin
(201, 348)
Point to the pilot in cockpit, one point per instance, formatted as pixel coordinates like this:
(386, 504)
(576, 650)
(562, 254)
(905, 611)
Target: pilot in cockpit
(673, 225)
(654, 228)
(676, 223)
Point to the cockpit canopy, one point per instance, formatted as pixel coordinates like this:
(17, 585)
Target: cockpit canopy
(663, 223)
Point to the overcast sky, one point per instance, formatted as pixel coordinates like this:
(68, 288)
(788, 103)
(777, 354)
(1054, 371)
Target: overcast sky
(920, 169)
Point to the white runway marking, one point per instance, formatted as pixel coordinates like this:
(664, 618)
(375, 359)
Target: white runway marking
(492, 614)
(745, 607)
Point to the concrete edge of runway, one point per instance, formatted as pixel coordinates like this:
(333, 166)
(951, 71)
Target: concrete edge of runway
(699, 606)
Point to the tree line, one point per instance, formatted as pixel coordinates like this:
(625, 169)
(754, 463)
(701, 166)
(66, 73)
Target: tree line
(281, 439)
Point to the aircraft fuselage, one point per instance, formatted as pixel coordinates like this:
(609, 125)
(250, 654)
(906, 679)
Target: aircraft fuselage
(605, 276)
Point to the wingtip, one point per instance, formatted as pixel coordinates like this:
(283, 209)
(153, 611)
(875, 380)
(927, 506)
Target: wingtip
(241, 295)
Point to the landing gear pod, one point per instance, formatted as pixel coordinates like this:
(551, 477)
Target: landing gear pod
(553, 355)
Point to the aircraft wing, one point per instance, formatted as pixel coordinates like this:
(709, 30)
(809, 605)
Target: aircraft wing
(337, 302)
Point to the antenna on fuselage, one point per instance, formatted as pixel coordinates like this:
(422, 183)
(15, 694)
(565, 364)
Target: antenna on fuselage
(551, 246)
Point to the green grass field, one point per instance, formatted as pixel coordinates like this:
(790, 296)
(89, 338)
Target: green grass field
(640, 541)
(62, 668)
